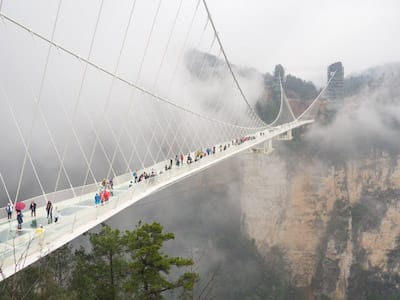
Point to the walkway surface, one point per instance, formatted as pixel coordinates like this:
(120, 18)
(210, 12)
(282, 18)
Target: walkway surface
(78, 214)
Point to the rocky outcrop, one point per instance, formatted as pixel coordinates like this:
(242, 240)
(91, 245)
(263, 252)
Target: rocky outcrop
(333, 219)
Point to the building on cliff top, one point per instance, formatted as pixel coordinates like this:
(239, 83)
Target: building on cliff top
(335, 90)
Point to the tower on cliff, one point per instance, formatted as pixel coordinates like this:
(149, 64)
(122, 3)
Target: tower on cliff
(279, 75)
(335, 90)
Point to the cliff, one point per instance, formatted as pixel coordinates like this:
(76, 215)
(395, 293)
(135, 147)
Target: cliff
(334, 220)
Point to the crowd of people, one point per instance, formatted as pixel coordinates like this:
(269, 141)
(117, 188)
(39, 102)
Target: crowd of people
(106, 188)
(181, 158)
(105, 191)
(52, 213)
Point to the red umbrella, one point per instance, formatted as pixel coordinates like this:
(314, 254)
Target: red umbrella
(19, 205)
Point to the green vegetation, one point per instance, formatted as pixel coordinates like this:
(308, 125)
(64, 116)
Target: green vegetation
(354, 84)
(295, 88)
(299, 88)
(129, 265)
(268, 110)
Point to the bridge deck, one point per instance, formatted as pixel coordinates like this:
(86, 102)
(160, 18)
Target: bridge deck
(19, 249)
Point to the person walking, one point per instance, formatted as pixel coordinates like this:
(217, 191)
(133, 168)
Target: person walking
(32, 207)
(49, 209)
(134, 174)
(111, 183)
(97, 199)
(103, 197)
(19, 219)
(9, 210)
(55, 214)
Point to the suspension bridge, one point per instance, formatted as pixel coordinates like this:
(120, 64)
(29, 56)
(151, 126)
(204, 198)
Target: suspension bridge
(97, 92)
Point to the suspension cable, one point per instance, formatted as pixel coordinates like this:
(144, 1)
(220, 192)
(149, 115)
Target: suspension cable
(280, 108)
(37, 104)
(24, 142)
(287, 100)
(106, 104)
(284, 100)
(317, 98)
(229, 65)
(5, 187)
(139, 88)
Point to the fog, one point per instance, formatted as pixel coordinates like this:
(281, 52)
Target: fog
(86, 117)
(368, 120)
(306, 36)
(139, 130)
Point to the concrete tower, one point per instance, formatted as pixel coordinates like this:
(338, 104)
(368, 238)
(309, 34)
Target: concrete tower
(335, 90)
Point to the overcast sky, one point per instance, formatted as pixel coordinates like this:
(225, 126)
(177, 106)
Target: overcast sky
(305, 36)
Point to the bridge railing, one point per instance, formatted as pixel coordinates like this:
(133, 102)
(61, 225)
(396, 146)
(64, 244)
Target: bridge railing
(18, 246)
(84, 217)
(55, 197)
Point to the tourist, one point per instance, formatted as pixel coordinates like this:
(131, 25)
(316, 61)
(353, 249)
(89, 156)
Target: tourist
(107, 195)
(134, 174)
(49, 209)
(19, 219)
(55, 214)
(97, 199)
(32, 207)
(111, 183)
(103, 197)
(9, 209)
(181, 157)
(104, 184)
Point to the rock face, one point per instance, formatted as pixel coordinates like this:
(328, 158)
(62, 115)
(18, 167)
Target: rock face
(337, 222)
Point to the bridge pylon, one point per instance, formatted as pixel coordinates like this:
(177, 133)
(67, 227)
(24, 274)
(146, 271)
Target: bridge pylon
(265, 147)
(286, 136)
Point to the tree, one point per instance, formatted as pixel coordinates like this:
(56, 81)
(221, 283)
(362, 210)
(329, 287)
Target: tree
(46, 279)
(101, 273)
(108, 255)
(83, 281)
(150, 268)
(279, 72)
(118, 265)
(54, 274)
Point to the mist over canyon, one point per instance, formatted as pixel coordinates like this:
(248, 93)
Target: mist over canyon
(318, 218)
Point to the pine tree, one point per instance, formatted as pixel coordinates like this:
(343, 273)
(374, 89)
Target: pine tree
(150, 268)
